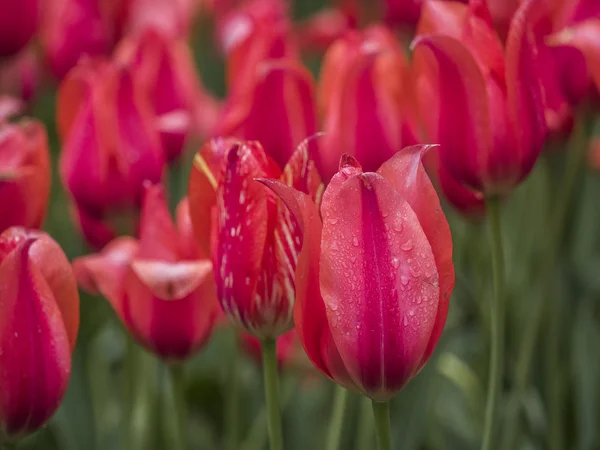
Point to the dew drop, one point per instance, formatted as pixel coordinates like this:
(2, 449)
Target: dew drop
(355, 241)
(395, 262)
(407, 246)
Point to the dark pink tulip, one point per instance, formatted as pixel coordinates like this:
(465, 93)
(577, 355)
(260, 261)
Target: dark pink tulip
(489, 112)
(365, 96)
(24, 174)
(19, 21)
(39, 318)
(255, 238)
(374, 275)
(110, 146)
(161, 287)
(20, 76)
(164, 67)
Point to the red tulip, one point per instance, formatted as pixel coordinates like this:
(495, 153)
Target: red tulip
(19, 22)
(174, 18)
(164, 67)
(279, 111)
(374, 275)
(365, 80)
(20, 76)
(39, 318)
(162, 286)
(255, 239)
(24, 174)
(488, 111)
(403, 12)
(287, 345)
(74, 28)
(110, 146)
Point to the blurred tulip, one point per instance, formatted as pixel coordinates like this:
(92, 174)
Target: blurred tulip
(39, 318)
(165, 69)
(487, 108)
(19, 22)
(74, 28)
(374, 275)
(10, 107)
(109, 147)
(173, 18)
(255, 239)
(287, 345)
(162, 286)
(279, 111)
(24, 174)
(20, 77)
(365, 80)
(403, 12)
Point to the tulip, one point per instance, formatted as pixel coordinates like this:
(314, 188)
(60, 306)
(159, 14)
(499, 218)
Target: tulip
(19, 22)
(109, 147)
(73, 28)
(279, 111)
(403, 12)
(161, 286)
(20, 76)
(256, 238)
(174, 18)
(365, 80)
(39, 318)
(374, 275)
(24, 174)
(489, 116)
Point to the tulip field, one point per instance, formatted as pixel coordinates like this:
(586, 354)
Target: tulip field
(300, 224)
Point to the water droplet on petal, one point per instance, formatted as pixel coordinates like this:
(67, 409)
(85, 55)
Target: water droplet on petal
(355, 241)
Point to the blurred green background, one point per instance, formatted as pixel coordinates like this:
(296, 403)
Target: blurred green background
(441, 409)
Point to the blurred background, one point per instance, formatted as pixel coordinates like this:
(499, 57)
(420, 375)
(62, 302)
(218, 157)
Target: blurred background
(442, 408)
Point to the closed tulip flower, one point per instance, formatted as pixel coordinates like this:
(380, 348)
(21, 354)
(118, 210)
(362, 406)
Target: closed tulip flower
(374, 274)
(365, 80)
(24, 174)
(256, 239)
(109, 147)
(488, 113)
(161, 286)
(39, 318)
(164, 67)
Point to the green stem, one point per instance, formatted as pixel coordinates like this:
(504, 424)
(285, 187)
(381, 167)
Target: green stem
(497, 324)
(231, 405)
(271, 378)
(178, 414)
(575, 159)
(381, 413)
(144, 369)
(364, 435)
(337, 418)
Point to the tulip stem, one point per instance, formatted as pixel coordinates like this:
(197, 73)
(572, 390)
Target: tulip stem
(337, 418)
(231, 406)
(271, 378)
(364, 435)
(381, 413)
(497, 323)
(178, 429)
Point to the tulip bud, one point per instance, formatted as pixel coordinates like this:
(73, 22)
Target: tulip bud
(279, 110)
(19, 22)
(374, 276)
(24, 174)
(110, 147)
(164, 68)
(39, 318)
(74, 28)
(365, 80)
(255, 238)
(489, 117)
(161, 286)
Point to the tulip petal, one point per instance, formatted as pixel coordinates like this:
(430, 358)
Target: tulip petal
(171, 281)
(309, 310)
(464, 126)
(379, 283)
(35, 356)
(204, 179)
(406, 174)
(104, 272)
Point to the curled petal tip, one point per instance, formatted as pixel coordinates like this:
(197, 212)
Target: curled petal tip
(349, 165)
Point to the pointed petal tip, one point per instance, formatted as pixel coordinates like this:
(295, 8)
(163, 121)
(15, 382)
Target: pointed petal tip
(349, 166)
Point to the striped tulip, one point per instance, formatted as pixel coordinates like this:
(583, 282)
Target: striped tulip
(255, 238)
(39, 319)
(374, 274)
(162, 286)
